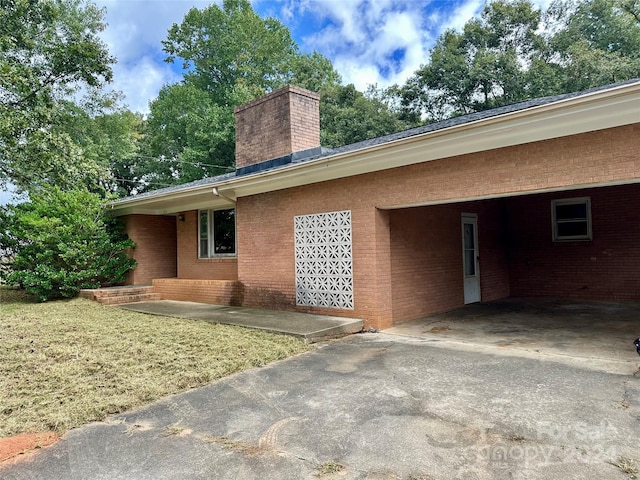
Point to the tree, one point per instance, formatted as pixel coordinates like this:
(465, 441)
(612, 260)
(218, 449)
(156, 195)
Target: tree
(108, 136)
(48, 51)
(61, 242)
(481, 67)
(513, 52)
(598, 42)
(231, 51)
(188, 137)
(349, 116)
(231, 56)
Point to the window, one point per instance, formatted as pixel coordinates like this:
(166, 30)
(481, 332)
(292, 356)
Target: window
(571, 219)
(217, 233)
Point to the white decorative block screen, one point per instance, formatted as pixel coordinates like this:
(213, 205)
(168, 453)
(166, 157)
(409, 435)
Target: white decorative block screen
(324, 271)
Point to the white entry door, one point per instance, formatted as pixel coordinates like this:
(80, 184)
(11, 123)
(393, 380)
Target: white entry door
(470, 258)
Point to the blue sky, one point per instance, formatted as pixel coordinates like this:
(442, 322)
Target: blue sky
(369, 41)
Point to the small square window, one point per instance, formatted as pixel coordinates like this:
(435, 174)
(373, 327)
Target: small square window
(571, 219)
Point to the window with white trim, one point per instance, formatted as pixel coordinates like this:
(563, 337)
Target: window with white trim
(216, 233)
(571, 219)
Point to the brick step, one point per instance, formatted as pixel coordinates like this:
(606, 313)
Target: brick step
(119, 291)
(118, 295)
(142, 297)
(93, 294)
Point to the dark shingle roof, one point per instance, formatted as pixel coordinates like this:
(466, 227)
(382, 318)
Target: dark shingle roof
(432, 127)
(463, 119)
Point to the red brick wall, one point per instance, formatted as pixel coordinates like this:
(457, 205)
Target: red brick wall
(217, 292)
(604, 156)
(426, 257)
(606, 267)
(265, 222)
(192, 267)
(155, 251)
(266, 247)
(280, 123)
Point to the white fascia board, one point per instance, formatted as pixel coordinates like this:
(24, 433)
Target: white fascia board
(599, 110)
(172, 202)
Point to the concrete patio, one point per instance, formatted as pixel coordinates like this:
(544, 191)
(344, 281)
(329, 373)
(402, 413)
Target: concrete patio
(311, 328)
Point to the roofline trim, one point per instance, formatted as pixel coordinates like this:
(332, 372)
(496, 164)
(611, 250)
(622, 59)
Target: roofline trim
(616, 106)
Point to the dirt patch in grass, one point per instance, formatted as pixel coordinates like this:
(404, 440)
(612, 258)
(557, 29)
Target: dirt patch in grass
(17, 446)
(67, 363)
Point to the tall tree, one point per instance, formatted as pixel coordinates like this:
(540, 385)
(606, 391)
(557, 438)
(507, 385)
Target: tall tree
(188, 137)
(513, 51)
(108, 136)
(598, 42)
(48, 51)
(231, 51)
(230, 56)
(480, 67)
(349, 116)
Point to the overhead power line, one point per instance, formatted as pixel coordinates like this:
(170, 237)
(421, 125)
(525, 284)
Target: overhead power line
(197, 164)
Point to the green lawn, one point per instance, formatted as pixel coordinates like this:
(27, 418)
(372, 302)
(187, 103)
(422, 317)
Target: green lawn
(66, 363)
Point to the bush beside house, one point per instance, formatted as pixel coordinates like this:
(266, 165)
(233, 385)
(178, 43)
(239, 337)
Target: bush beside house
(60, 242)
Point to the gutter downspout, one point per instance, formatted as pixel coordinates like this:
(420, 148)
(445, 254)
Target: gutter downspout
(217, 193)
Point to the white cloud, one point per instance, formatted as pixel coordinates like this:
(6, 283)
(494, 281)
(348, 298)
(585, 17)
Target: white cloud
(380, 42)
(9, 195)
(141, 79)
(369, 41)
(462, 14)
(134, 34)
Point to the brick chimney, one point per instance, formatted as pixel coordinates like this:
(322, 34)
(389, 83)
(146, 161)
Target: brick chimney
(277, 128)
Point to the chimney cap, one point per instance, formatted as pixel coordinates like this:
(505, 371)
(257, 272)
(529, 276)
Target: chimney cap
(280, 91)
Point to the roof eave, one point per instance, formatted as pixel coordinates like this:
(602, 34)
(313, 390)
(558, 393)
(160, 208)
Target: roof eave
(599, 110)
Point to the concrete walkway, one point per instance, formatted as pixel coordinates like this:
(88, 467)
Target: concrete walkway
(312, 328)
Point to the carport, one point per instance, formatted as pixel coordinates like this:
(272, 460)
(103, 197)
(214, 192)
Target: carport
(579, 244)
(592, 334)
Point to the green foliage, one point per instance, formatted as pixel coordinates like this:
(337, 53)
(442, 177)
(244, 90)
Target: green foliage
(349, 116)
(231, 56)
(227, 47)
(478, 68)
(110, 137)
(514, 51)
(188, 137)
(599, 42)
(48, 51)
(62, 242)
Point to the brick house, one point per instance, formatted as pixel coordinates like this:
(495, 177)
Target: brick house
(539, 198)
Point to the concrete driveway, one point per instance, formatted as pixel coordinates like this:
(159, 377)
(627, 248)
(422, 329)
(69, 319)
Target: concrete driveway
(596, 335)
(371, 406)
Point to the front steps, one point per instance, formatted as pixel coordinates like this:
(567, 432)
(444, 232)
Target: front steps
(121, 295)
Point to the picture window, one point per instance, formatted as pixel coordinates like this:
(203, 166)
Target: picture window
(217, 233)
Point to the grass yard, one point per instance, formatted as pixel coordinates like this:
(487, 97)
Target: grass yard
(67, 363)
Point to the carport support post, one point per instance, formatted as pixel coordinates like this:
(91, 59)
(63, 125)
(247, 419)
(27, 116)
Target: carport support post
(382, 315)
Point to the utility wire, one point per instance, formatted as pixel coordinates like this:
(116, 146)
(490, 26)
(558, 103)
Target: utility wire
(198, 164)
(144, 182)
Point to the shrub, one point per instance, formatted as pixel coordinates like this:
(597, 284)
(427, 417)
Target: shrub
(62, 241)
